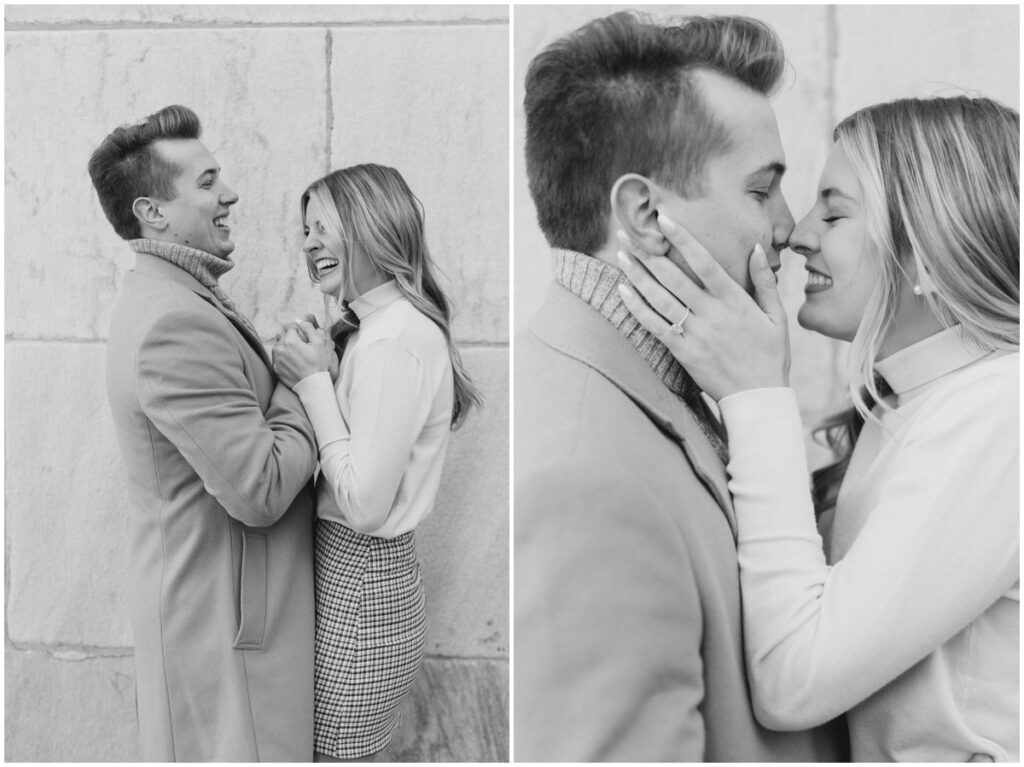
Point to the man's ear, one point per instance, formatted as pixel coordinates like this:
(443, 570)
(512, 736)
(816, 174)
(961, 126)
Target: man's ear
(634, 205)
(147, 211)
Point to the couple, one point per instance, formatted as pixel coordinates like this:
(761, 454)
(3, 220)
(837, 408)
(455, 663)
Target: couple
(220, 445)
(642, 519)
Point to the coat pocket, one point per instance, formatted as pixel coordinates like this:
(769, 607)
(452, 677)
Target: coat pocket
(252, 592)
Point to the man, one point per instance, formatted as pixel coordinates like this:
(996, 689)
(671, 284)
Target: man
(628, 625)
(219, 457)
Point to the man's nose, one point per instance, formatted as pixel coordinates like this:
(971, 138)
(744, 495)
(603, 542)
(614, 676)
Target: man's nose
(782, 224)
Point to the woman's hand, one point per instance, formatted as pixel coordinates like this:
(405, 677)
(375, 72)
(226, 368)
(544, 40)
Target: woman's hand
(303, 350)
(725, 340)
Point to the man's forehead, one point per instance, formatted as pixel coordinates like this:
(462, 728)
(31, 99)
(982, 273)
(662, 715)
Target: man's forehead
(187, 153)
(754, 147)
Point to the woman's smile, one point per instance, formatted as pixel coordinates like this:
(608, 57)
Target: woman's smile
(816, 281)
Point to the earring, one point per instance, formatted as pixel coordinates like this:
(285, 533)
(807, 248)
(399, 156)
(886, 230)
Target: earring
(918, 291)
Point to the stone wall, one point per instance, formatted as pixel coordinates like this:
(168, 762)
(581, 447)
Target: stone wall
(842, 58)
(285, 93)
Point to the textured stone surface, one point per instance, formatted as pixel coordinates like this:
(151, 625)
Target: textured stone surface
(463, 545)
(66, 533)
(261, 94)
(943, 50)
(442, 121)
(68, 710)
(458, 711)
(37, 16)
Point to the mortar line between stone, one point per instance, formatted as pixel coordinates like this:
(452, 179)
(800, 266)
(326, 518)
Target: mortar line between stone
(329, 54)
(135, 26)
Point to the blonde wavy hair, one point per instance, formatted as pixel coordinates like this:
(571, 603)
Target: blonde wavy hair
(941, 187)
(373, 206)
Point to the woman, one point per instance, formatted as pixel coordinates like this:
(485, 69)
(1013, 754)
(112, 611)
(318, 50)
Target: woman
(382, 430)
(911, 622)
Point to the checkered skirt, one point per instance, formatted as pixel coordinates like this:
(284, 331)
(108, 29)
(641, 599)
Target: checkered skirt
(370, 632)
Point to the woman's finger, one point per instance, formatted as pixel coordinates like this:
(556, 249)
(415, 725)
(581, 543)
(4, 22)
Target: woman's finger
(714, 278)
(671, 277)
(663, 301)
(766, 288)
(653, 321)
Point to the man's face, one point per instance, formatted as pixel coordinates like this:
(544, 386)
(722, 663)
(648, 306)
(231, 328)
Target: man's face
(740, 202)
(197, 216)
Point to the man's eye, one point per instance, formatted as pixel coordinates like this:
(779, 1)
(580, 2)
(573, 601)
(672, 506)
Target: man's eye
(760, 194)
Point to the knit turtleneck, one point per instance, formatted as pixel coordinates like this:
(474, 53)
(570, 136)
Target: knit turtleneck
(205, 267)
(596, 283)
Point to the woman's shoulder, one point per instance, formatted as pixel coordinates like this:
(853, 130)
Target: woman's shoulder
(405, 325)
(983, 394)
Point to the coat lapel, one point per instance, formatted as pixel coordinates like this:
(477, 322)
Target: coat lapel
(570, 326)
(157, 267)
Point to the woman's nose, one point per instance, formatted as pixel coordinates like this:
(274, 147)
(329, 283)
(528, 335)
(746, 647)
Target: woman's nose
(803, 239)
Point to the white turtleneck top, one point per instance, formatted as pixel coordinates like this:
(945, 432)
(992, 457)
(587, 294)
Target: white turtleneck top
(382, 429)
(912, 627)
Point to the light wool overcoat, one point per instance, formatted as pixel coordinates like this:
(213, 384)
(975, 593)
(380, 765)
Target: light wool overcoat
(628, 634)
(219, 458)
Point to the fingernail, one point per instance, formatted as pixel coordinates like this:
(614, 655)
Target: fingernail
(625, 292)
(623, 237)
(758, 250)
(624, 261)
(667, 224)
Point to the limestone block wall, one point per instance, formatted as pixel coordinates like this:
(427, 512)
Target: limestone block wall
(843, 57)
(285, 93)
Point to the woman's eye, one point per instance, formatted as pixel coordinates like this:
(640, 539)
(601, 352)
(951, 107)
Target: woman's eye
(831, 219)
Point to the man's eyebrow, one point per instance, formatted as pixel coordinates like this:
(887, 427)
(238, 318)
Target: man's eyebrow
(208, 172)
(771, 167)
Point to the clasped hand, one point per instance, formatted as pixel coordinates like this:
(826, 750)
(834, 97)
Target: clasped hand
(303, 349)
(727, 341)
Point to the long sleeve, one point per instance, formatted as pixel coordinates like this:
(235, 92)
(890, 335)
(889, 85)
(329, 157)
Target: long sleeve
(939, 547)
(253, 463)
(364, 460)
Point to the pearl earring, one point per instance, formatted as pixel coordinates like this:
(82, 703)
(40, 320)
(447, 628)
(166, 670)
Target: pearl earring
(918, 291)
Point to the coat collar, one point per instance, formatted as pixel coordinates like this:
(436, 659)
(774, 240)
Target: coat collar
(154, 266)
(568, 325)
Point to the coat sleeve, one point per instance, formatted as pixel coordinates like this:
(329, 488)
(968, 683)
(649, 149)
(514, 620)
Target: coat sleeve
(192, 386)
(608, 622)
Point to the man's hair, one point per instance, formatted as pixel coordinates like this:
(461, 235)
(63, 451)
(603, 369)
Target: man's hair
(618, 96)
(125, 166)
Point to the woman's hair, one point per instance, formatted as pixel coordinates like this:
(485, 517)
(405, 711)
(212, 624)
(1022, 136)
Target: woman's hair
(941, 191)
(373, 206)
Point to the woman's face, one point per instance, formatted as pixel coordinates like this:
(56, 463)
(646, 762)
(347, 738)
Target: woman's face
(842, 266)
(344, 269)
(324, 249)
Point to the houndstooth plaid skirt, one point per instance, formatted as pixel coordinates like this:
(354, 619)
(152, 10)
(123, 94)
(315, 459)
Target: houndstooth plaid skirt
(370, 632)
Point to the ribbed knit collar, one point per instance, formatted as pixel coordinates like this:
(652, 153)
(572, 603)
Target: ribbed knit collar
(597, 283)
(205, 267)
(928, 360)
